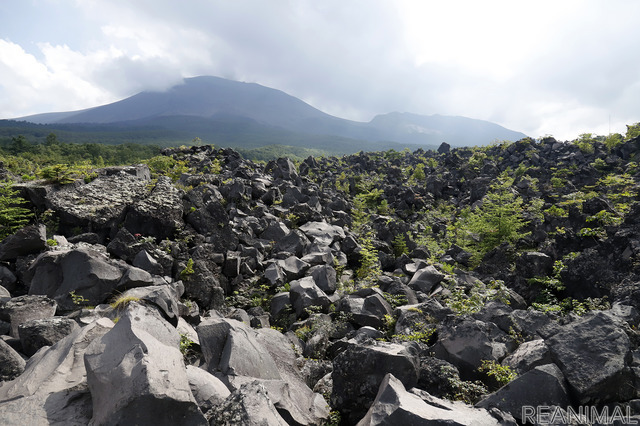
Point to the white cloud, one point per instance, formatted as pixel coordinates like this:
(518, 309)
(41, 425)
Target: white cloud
(538, 67)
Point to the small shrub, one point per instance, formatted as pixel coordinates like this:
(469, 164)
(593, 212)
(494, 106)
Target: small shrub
(188, 270)
(77, 299)
(121, 302)
(186, 345)
(503, 374)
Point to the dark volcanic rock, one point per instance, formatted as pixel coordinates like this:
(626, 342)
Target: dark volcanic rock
(594, 355)
(140, 358)
(28, 240)
(359, 370)
(393, 405)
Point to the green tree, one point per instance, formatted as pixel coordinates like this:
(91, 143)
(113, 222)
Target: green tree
(51, 140)
(499, 219)
(12, 215)
(633, 131)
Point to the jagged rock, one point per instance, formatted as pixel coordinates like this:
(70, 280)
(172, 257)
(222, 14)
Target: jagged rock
(139, 356)
(208, 391)
(275, 231)
(444, 148)
(11, 363)
(159, 214)
(230, 347)
(425, 279)
(594, 355)
(324, 277)
(243, 355)
(323, 233)
(497, 313)
(7, 278)
(319, 255)
(35, 334)
(532, 324)
(534, 264)
(529, 355)
(204, 285)
(466, 343)
(210, 218)
(28, 240)
(359, 370)
(4, 293)
(292, 267)
(543, 386)
(304, 293)
(295, 242)
(98, 206)
(124, 245)
(52, 389)
(141, 171)
(25, 308)
(279, 304)
(282, 168)
(365, 309)
(248, 405)
(164, 297)
(393, 405)
(83, 270)
(274, 274)
(144, 261)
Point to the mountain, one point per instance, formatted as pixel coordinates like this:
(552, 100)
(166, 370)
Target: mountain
(242, 114)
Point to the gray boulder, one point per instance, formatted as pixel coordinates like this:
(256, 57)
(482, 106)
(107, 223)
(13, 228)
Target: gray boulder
(144, 261)
(164, 297)
(282, 168)
(100, 205)
(275, 231)
(7, 278)
(594, 355)
(365, 309)
(359, 370)
(25, 308)
(294, 242)
(249, 405)
(243, 355)
(230, 347)
(159, 214)
(52, 389)
(465, 343)
(543, 386)
(208, 390)
(393, 405)
(323, 233)
(86, 271)
(426, 279)
(274, 274)
(529, 355)
(28, 240)
(292, 267)
(35, 334)
(304, 293)
(324, 277)
(11, 363)
(140, 358)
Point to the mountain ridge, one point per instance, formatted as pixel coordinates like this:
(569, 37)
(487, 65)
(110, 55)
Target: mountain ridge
(223, 101)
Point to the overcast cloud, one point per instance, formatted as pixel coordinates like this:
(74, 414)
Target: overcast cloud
(544, 67)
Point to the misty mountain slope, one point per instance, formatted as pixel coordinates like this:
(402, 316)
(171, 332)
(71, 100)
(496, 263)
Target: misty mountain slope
(226, 103)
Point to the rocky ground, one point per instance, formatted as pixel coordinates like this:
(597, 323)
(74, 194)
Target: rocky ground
(452, 287)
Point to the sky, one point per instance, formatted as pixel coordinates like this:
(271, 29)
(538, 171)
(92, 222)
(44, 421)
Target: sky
(560, 68)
